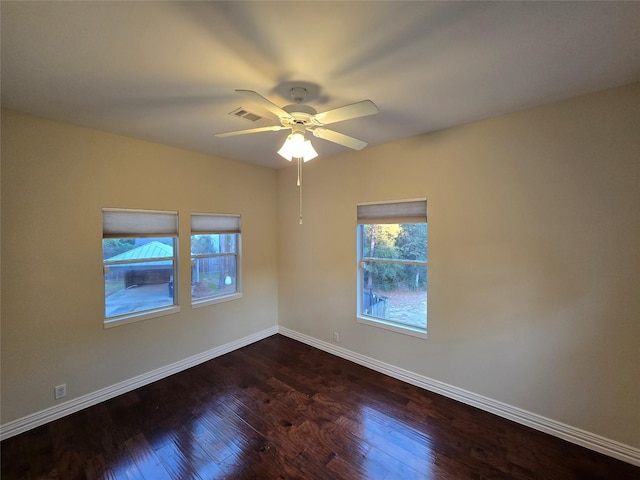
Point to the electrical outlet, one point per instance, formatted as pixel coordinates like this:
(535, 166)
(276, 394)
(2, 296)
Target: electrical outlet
(60, 391)
(336, 337)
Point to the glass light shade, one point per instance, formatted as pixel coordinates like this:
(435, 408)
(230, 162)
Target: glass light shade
(309, 152)
(295, 146)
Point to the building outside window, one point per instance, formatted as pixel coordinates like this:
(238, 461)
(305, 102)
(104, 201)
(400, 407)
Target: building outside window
(139, 251)
(215, 258)
(392, 265)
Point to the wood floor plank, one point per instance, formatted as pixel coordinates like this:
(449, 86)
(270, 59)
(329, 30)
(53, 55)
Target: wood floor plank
(403, 450)
(280, 409)
(146, 459)
(98, 469)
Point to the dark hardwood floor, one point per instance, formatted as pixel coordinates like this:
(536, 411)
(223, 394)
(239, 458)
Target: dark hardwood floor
(281, 409)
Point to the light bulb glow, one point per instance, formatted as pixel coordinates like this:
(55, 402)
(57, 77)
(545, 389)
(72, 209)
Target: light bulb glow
(295, 146)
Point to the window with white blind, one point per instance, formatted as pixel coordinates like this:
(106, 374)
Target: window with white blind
(140, 260)
(392, 265)
(215, 258)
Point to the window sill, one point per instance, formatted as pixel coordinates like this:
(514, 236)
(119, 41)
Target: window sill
(139, 317)
(404, 330)
(213, 301)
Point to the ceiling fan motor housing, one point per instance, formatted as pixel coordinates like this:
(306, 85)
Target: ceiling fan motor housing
(298, 128)
(299, 108)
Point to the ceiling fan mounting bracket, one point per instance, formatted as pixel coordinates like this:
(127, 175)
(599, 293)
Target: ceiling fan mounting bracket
(293, 89)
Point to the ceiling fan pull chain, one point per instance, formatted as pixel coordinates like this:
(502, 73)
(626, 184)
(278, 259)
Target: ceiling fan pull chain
(300, 162)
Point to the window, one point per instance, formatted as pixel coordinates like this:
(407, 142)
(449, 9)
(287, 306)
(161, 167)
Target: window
(139, 252)
(215, 258)
(392, 266)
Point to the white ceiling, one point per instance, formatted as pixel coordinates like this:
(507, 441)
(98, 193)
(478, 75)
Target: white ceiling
(166, 71)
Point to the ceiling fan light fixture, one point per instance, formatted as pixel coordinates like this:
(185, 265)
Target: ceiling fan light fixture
(309, 152)
(295, 146)
(287, 149)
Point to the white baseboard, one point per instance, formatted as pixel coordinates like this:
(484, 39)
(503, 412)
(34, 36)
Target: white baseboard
(67, 408)
(580, 437)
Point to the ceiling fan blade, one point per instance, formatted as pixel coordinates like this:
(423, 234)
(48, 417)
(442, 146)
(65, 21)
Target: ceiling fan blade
(339, 138)
(266, 104)
(272, 128)
(355, 110)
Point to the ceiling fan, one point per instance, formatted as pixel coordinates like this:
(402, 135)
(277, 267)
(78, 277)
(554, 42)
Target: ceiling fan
(301, 118)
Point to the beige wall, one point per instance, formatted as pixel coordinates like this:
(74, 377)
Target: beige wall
(534, 275)
(55, 180)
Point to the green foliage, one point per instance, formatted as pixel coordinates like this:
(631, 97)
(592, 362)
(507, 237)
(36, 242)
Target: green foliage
(114, 246)
(213, 243)
(379, 241)
(412, 241)
(382, 276)
(201, 244)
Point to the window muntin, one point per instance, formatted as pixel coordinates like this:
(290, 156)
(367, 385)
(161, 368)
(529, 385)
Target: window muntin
(392, 266)
(139, 267)
(215, 258)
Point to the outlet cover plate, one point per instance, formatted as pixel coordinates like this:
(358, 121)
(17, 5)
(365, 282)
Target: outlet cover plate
(60, 391)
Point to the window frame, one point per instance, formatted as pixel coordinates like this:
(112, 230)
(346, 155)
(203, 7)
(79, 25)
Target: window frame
(217, 224)
(381, 213)
(130, 223)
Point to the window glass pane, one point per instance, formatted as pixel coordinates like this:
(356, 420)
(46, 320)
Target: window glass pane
(138, 274)
(213, 277)
(407, 241)
(395, 293)
(393, 274)
(214, 243)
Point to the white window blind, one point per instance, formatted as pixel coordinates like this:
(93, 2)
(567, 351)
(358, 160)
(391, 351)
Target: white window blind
(117, 223)
(203, 223)
(404, 211)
